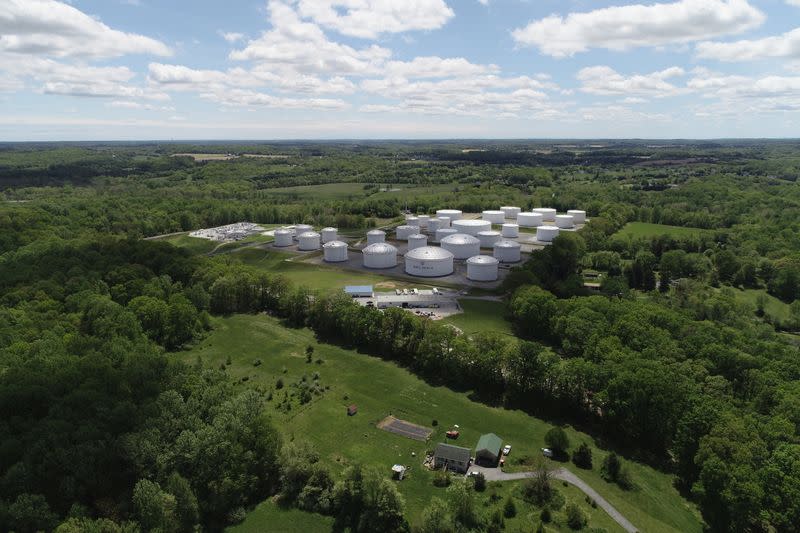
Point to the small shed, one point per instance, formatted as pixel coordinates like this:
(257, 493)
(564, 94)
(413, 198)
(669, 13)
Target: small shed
(352, 409)
(359, 291)
(488, 449)
(451, 457)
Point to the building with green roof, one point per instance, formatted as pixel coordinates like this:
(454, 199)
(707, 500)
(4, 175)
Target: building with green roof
(488, 450)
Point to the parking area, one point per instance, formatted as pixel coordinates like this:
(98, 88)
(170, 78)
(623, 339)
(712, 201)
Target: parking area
(435, 305)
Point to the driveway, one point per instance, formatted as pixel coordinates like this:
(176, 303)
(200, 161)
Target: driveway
(495, 474)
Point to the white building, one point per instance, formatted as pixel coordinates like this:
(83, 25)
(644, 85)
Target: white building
(494, 217)
(482, 268)
(546, 233)
(380, 255)
(488, 238)
(334, 251)
(507, 251)
(530, 220)
(461, 245)
(471, 227)
(429, 262)
(510, 231)
(309, 240)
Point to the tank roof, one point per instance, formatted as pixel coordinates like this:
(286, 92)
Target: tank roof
(460, 238)
(379, 248)
(507, 244)
(335, 244)
(429, 253)
(482, 260)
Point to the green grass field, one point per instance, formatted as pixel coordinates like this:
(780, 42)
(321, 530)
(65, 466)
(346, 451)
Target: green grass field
(381, 388)
(193, 244)
(646, 230)
(332, 191)
(774, 307)
(480, 315)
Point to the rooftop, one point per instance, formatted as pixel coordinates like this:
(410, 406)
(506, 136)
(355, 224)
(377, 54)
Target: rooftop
(489, 442)
(452, 453)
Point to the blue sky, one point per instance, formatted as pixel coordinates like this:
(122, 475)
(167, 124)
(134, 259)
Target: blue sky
(322, 69)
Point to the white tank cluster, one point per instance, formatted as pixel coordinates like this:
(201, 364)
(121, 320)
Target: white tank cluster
(471, 227)
(482, 268)
(488, 238)
(461, 245)
(510, 231)
(284, 237)
(380, 255)
(441, 233)
(376, 235)
(452, 214)
(334, 251)
(299, 229)
(329, 234)
(578, 216)
(565, 221)
(508, 251)
(417, 240)
(429, 262)
(433, 225)
(510, 212)
(530, 220)
(548, 213)
(546, 233)
(309, 240)
(404, 232)
(494, 217)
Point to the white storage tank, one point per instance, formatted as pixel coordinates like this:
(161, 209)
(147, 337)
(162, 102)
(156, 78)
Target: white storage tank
(488, 238)
(376, 235)
(482, 268)
(429, 262)
(511, 212)
(417, 240)
(565, 221)
(452, 214)
(380, 255)
(433, 225)
(423, 220)
(444, 222)
(329, 234)
(507, 251)
(471, 227)
(578, 216)
(441, 233)
(404, 232)
(495, 217)
(412, 221)
(510, 231)
(548, 213)
(461, 245)
(299, 229)
(309, 240)
(530, 220)
(546, 233)
(284, 237)
(334, 251)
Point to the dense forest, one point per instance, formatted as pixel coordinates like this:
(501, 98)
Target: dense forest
(101, 429)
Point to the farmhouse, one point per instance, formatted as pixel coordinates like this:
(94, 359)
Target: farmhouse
(451, 457)
(488, 450)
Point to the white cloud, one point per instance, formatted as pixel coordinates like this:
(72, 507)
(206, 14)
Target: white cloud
(51, 28)
(370, 18)
(436, 67)
(231, 36)
(739, 95)
(243, 98)
(781, 46)
(129, 104)
(625, 27)
(616, 114)
(793, 2)
(483, 2)
(603, 80)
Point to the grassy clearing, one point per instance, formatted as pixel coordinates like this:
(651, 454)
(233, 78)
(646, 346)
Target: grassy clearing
(480, 315)
(380, 388)
(774, 307)
(637, 230)
(195, 245)
(267, 516)
(332, 191)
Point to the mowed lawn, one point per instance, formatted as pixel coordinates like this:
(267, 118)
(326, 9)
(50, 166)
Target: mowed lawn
(646, 230)
(479, 316)
(773, 306)
(380, 388)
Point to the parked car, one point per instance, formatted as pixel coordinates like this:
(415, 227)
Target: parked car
(547, 452)
(397, 292)
(506, 449)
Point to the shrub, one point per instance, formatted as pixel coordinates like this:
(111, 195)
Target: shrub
(228, 360)
(582, 457)
(442, 478)
(545, 516)
(279, 383)
(257, 362)
(434, 422)
(575, 517)
(509, 508)
(557, 440)
(480, 482)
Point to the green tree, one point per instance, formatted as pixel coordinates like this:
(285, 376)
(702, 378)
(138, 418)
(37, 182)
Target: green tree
(462, 505)
(575, 518)
(154, 508)
(582, 456)
(186, 508)
(30, 513)
(509, 508)
(436, 518)
(556, 439)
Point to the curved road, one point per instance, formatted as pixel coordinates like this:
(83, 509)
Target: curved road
(495, 474)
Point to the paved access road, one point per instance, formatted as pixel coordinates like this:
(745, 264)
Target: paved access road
(495, 474)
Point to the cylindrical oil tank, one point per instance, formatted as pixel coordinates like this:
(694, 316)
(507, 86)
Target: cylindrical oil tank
(433, 225)
(417, 240)
(429, 262)
(284, 237)
(488, 238)
(380, 255)
(403, 232)
(441, 233)
(423, 220)
(412, 221)
(510, 211)
(510, 231)
(482, 268)
(565, 221)
(495, 217)
(329, 234)
(299, 229)
(334, 251)
(444, 222)
(452, 214)
(507, 251)
(530, 220)
(471, 227)
(578, 216)
(548, 213)
(546, 233)
(309, 240)
(376, 235)
(461, 245)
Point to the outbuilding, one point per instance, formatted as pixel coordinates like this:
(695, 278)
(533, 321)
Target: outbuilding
(449, 457)
(461, 246)
(359, 291)
(488, 450)
(482, 268)
(429, 262)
